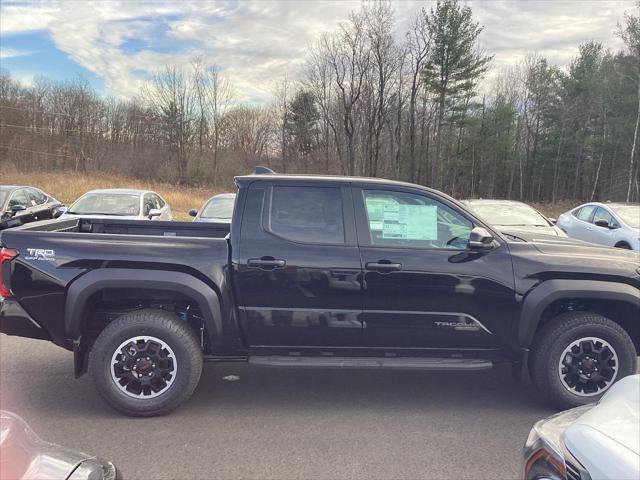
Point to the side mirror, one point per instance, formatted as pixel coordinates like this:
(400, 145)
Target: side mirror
(480, 239)
(154, 212)
(193, 212)
(601, 223)
(60, 211)
(17, 208)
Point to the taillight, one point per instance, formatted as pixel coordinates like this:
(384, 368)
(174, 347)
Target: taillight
(6, 254)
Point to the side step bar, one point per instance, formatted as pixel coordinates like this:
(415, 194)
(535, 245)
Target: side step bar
(403, 363)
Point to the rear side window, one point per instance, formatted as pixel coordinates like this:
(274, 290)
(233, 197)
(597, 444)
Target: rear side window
(585, 213)
(307, 214)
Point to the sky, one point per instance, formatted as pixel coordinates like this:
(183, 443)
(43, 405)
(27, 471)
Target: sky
(117, 46)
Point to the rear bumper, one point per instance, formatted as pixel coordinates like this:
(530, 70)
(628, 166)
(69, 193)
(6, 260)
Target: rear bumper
(14, 320)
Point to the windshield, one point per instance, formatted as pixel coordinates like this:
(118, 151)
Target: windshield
(629, 214)
(4, 193)
(219, 207)
(512, 215)
(106, 204)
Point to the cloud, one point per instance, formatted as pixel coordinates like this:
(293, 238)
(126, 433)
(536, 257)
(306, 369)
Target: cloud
(13, 52)
(255, 43)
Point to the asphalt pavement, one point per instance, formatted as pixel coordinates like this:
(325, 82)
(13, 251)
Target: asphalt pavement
(285, 424)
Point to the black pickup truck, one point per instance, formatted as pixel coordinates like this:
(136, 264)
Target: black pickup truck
(331, 272)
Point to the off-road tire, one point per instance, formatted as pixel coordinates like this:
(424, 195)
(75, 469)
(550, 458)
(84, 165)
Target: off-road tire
(552, 340)
(164, 326)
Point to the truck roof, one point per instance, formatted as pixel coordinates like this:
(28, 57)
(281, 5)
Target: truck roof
(326, 178)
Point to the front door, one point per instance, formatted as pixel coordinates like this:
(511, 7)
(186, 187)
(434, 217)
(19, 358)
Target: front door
(423, 288)
(298, 278)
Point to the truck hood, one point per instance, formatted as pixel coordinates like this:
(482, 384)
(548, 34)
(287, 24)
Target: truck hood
(543, 257)
(606, 439)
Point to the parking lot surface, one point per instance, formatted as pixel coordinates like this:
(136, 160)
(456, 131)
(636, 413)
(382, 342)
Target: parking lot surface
(281, 424)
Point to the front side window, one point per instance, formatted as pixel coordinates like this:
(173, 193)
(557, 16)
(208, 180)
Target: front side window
(585, 213)
(157, 201)
(602, 214)
(147, 204)
(399, 219)
(307, 214)
(20, 198)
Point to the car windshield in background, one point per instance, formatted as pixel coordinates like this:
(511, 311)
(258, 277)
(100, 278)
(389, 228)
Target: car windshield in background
(629, 214)
(510, 215)
(219, 208)
(106, 204)
(4, 193)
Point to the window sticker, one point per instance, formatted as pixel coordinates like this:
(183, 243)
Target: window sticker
(410, 222)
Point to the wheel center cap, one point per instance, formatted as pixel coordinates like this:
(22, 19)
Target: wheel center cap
(588, 365)
(144, 367)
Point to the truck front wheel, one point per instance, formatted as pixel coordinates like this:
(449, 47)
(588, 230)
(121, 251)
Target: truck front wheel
(146, 362)
(578, 356)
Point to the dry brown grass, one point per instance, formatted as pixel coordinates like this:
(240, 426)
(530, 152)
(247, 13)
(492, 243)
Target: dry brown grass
(554, 210)
(68, 186)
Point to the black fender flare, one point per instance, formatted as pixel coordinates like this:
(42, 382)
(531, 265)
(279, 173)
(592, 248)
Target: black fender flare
(80, 291)
(538, 299)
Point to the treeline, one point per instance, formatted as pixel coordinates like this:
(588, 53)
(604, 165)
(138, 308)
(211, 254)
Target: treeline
(365, 104)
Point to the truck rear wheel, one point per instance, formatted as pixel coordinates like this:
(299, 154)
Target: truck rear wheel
(578, 356)
(146, 362)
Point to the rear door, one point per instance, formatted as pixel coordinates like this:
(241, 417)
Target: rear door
(298, 272)
(423, 288)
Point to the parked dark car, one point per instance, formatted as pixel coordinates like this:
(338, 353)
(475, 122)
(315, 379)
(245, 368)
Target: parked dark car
(22, 204)
(24, 456)
(333, 272)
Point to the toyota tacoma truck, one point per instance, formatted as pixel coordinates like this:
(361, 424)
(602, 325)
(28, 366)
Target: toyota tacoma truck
(320, 272)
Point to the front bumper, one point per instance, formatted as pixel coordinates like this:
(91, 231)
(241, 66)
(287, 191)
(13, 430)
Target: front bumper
(14, 320)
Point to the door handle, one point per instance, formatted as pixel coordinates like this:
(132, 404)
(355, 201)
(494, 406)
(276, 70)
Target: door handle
(266, 262)
(383, 266)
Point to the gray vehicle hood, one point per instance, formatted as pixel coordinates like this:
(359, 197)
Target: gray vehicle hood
(606, 439)
(23, 455)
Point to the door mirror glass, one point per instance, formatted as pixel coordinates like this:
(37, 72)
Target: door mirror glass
(154, 212)
(193, 212)
(480, 239)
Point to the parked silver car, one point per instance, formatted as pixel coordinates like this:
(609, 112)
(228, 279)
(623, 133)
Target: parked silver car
(611, 224)
(513, 216)
(597, 441)
(121, 202)
(218, 209)
(24, 456)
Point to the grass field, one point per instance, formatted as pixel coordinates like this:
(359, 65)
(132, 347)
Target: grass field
(66, 187)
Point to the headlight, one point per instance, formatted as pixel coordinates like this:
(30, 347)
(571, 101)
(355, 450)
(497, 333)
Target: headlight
(543, 457)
